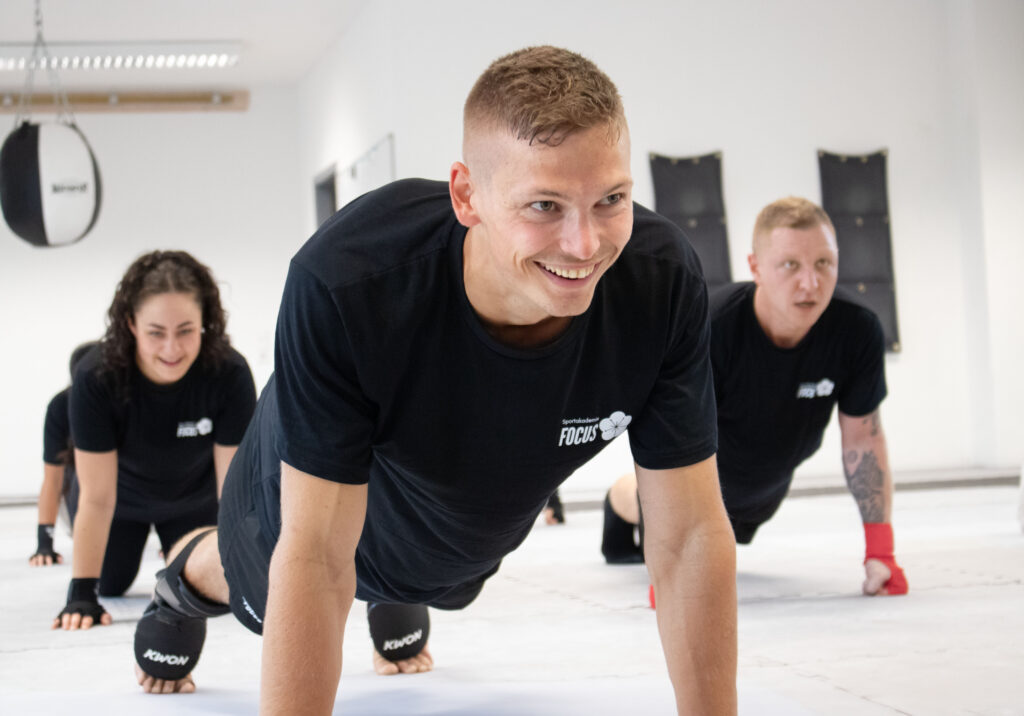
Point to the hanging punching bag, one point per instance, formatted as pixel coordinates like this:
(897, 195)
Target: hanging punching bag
(49, 183)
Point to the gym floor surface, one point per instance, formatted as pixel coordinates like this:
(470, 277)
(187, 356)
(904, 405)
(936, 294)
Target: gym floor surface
(558, 632)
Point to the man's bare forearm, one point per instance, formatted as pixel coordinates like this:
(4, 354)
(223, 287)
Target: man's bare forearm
(696, 608)
(866, 466)
(307, 609)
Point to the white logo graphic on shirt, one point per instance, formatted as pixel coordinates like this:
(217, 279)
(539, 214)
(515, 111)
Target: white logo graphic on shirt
(189, 429)
(822, 389)
(615, 424)
(580, 431)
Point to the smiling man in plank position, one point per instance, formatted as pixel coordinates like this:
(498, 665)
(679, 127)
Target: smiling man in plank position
(436, 344)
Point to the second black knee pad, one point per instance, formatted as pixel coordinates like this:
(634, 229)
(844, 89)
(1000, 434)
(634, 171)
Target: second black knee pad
(398, 631)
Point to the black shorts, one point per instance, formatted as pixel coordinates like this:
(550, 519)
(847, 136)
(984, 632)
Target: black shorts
(744, 531)
(749, 508)
(245, 555)
(247, 534)
(244, 551)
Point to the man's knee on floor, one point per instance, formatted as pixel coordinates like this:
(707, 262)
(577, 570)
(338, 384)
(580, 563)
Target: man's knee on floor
(170, 635)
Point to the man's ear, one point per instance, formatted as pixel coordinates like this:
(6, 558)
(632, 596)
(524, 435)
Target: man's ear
(461, 189)
(754, 268)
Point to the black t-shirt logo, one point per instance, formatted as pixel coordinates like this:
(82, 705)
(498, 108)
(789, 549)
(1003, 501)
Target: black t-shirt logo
(615, 424)
(822, 389)
(191, 429)
(580, 431)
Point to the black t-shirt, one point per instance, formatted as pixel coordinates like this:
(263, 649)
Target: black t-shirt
(384, 374)
(775, 403)
(56, 429)
(163, 434)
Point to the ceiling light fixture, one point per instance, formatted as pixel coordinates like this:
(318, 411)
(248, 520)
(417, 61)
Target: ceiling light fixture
(123, 56)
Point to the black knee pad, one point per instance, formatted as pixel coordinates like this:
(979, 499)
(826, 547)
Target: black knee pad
(169, 637)
(399, 631)
(168, 644)
(617, 542)
(176, 593)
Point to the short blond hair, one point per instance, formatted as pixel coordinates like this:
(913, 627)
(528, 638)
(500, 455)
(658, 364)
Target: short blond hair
(792, 212)
(543, 94)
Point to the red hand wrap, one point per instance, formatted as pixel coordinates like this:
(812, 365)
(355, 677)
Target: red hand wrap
(879, 545)
(650, 596)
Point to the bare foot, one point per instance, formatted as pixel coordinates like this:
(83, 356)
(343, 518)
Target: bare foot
(152, 685)
(420, 663)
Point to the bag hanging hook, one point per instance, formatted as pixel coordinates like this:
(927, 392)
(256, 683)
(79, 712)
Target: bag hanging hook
(41, 55)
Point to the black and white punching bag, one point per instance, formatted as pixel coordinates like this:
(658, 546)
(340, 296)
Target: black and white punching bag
(49, 183)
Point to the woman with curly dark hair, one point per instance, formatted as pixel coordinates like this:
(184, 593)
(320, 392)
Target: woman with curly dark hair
(156, 415)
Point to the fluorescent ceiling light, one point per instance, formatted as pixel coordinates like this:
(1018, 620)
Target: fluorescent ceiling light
(124, 56)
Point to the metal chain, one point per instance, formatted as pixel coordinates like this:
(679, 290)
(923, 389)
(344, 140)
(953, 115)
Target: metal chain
(41, 54)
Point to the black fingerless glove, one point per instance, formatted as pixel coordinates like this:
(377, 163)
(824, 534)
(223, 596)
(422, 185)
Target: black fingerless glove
(44, 542)
(83, 598)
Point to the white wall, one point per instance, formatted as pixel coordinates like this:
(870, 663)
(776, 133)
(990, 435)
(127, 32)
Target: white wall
(345, 103)
(768, 84)
(221, 185)
(1000, 102)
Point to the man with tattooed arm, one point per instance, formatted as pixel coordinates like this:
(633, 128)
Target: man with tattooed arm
(784, 351)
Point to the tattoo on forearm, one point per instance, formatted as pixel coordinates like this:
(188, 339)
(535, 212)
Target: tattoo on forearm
(872, 421)
(867, 484)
